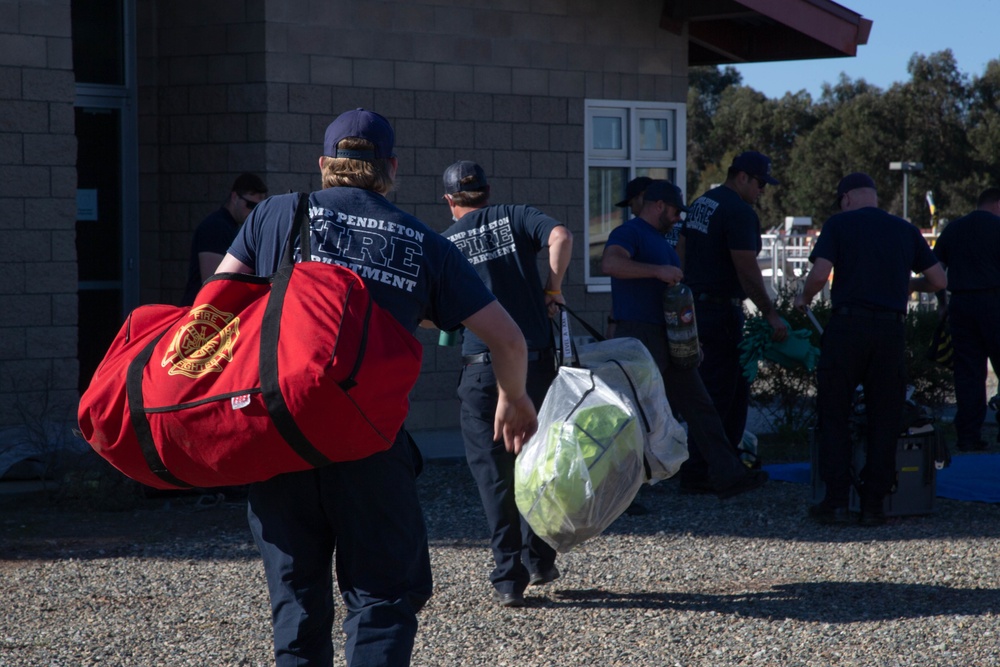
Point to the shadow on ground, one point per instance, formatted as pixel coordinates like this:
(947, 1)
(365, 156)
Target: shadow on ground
(842, 602)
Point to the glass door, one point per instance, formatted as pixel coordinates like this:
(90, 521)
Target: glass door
(107, 225)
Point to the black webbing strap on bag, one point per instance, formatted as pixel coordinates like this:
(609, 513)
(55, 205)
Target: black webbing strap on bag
(270, 330)
(566, 339)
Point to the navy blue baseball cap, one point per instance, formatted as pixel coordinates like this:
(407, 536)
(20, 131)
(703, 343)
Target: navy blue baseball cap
(853, 181)
(464, 176)
(635, 187)
(667, 192)
(360, 124)
(755, 164)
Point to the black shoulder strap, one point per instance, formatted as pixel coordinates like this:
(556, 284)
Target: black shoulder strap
(300, 230)
(591, 330)
(270, 332)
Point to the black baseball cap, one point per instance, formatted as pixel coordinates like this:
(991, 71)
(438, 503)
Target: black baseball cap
(667, 192)
(634, 187)
(755, 164)
(464, 176)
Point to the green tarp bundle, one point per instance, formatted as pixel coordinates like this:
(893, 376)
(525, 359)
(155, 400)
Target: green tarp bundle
(585, 464)
(796, 350)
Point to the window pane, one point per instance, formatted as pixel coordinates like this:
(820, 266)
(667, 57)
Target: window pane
(607, 133)
(653, 134)
(98, 48)
(658, 173)
(607, 187)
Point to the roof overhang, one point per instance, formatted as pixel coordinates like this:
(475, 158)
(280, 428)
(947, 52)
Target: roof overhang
(722, 32)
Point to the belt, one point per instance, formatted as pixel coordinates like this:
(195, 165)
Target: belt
(720, 300)
(485, 358)
(860, 311)
(983, 291)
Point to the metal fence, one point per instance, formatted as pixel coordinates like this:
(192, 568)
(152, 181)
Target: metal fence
(784, 263)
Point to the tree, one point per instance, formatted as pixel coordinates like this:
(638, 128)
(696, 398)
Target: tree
(938, 118)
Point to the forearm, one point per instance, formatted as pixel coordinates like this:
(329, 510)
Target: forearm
(755, 290)
(510, 366)
(560, 254)
(812, 286)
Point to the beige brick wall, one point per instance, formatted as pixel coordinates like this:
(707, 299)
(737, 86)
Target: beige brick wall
(38, 336)
(253, 86)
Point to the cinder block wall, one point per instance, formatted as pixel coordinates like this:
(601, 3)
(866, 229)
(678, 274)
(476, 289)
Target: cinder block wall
(38, 271)
(252, 85)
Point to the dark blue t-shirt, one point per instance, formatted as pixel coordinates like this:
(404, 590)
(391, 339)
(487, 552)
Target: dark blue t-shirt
(502, 242)
(411, 271)
(718, 222)
(873, 254)
(970, 248)
(640, 299)
(214, 234)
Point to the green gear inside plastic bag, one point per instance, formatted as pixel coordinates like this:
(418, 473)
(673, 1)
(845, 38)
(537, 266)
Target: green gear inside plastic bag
(588, 470)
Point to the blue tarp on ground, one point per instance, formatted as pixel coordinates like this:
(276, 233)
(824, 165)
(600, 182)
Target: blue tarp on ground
(969, 477)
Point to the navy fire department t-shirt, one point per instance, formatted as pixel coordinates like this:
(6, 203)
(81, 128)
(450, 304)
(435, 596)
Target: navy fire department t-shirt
(716, 223)
(502, 242)
(873, 254)
(411, 271)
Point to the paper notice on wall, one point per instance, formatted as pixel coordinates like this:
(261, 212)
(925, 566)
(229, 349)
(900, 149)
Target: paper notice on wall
(86, 204)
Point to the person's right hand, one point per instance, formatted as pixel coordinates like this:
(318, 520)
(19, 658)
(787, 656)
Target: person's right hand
(799, 302)
(671, 275)
(515, 422)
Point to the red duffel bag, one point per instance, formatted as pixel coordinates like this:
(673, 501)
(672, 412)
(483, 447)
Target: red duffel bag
(261, 376)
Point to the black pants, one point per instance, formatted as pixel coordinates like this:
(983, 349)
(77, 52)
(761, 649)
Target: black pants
(859, 349)
(720, 331)
(517, 551)
(975, 335)
(712, 460)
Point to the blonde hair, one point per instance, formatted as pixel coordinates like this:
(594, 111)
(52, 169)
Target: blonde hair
(348, 172)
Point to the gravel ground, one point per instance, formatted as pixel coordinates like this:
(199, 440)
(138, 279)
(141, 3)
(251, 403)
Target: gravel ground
(697, 582)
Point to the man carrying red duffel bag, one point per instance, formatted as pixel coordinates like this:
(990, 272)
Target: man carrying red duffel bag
(366, 510)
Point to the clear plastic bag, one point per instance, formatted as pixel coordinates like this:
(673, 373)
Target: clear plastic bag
(583, 467)
(665, 439)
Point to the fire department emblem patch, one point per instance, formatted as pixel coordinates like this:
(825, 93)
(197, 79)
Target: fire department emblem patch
(203, 344)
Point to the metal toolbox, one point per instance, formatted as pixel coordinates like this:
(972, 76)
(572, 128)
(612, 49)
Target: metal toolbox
(916, 480)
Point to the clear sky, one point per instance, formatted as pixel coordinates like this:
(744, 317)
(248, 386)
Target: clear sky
(970, 28)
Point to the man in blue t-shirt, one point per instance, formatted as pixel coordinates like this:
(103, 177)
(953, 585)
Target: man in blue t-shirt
(969, 248)
(215, 233)
(503, 241)
(642, 264)
(367, 512)
(864, 342)
(718, 246)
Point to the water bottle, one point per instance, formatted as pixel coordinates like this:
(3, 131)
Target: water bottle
(448, 338)
(682, 329)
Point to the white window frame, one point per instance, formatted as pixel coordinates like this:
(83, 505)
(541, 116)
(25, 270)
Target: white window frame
(631, 157)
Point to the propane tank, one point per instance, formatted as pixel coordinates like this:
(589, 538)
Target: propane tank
(682, 329)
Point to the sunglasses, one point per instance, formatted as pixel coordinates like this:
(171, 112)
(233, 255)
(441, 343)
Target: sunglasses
(250, 204)
(760, 183)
